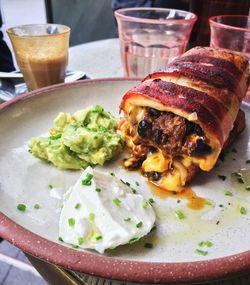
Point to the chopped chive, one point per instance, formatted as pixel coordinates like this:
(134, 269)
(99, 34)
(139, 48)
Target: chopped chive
(60, 239)
(205, 243)
(139, 225)
(127, 183)
(248, 161)
(91, 217)
(148, 245)
(98, 238)
(50, 186)
(37, 206)
(207, 202)
(248, 188)
(201, 252)
(228, 193)
(221, 206)
(179, 214)
(75, 246)
(151, 200)
(127, 220)
(112, 174)
(133, 190)
(21, 207)
(117, 201)
(80, 240)
(153, 228)
(71, 222)
(87, 180)
(243, 210)
(222, 177)
(145, 204)
(98, 190)
(77, 206)
(134, 239)
(137, 183)
(238, 174)
(240, 180)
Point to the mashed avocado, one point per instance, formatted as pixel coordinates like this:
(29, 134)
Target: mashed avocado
(87, 137)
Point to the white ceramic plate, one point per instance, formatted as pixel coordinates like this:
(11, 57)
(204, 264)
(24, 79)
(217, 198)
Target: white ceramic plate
(25, 179)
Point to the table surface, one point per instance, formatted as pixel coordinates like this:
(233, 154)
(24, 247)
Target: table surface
(101, 59)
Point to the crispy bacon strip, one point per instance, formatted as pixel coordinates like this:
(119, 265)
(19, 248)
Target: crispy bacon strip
(205, 86)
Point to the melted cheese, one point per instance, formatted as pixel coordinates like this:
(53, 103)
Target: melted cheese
(174, 172)
(156, 162)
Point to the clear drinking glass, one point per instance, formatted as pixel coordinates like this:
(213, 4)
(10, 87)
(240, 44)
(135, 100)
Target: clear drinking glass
(231, 32)
(41, 52)
(151, 37)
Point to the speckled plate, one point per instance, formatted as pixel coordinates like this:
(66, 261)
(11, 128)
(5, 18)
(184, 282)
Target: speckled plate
(174, 257)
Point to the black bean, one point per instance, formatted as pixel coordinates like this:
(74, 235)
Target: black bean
(156, 176)
(157, 136)
(144, 128)
(152, 149)
(193, 128)
(201, 148)
(153, 112)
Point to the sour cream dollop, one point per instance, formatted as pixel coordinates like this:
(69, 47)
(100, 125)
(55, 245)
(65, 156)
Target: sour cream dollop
(100, 212)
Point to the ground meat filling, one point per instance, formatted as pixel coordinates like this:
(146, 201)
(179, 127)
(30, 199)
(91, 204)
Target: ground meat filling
(173, 134)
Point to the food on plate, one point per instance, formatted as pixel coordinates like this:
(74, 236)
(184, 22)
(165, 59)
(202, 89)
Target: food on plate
(88, 137)
(179, 119)
(100, 212)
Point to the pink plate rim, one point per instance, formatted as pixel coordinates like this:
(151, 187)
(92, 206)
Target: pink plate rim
(110, 267)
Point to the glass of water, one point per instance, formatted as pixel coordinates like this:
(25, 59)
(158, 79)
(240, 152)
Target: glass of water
(152, 37)
(231, 32)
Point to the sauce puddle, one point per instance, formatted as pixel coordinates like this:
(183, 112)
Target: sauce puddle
(194, 202)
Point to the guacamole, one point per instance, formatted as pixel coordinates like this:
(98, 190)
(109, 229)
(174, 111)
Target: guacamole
(88, 137)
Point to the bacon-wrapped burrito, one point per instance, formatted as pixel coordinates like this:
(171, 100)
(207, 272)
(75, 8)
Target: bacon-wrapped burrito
(178, 119)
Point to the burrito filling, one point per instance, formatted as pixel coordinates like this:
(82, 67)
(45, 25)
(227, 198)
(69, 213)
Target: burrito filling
(163, 145)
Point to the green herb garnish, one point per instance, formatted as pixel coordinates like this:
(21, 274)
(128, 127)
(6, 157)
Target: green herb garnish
(71, 222)
(112, 174)
(137, 183)
(36, 206)
(139, 225)
(243, 210)
(151, 201)
(80, 240)
(222, 177)
(50, 186)
(60, 239)
(98, 190)
(75, 246)
(91, 217)
(77, 206)
(205, 243)
(179, 214)
(228, 193)
(98, 238)
(145, 204)
(87, 180)
(21, 207)
(148, 245)
(134, 239)
(127, 220)
(201, 252)
(240, 180)
(117, 202)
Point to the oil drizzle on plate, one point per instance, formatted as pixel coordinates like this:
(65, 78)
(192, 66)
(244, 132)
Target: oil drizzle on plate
(194, 202)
